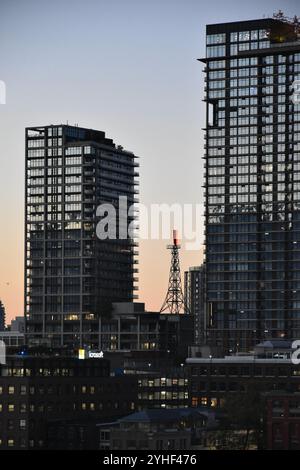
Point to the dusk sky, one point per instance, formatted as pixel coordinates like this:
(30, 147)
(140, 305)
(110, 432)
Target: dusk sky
(127, 67)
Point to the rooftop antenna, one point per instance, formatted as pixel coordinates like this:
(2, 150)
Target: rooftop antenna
(174, 302)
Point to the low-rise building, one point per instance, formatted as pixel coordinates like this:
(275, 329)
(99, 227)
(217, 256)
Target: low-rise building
(12, 339)
(176, 429)
(42, 397)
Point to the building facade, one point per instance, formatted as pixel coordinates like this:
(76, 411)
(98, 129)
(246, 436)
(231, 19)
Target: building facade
(71, 275)
(176, 429)
(18, 324)
(15, 339)
(132, 329)
(252, 184)
(194, 295)
(283, 421)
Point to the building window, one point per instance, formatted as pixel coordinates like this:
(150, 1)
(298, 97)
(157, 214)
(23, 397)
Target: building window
(11, 408)
(22, 424)
(10, 442)
(11, 390)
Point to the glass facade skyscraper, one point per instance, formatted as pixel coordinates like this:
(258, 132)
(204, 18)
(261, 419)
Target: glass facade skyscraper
(252, 183)
(71, 276)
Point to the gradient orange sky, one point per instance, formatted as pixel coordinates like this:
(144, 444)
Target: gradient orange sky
(128, 68)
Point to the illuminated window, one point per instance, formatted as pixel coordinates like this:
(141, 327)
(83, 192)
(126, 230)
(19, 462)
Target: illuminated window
(194, 401)
(22, 423)
(11, 408)
(11, 390)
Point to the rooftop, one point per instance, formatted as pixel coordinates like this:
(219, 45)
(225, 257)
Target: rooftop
(166, 415)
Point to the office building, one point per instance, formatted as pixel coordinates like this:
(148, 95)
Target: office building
(177, 429)
(167, 388)
(71, 275)
(44, 398)
(252, 184)
(194, 295)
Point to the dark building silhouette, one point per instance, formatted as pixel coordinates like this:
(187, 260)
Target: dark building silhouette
(194, 294)
(72, 276)
(40, 396)
(283, 421)
(252, 185)
(2, 316)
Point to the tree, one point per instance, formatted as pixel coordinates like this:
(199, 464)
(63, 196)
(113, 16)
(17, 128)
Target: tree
(244, 411)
